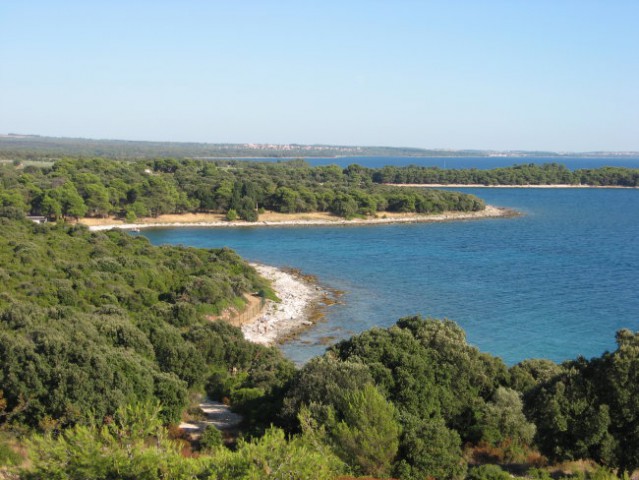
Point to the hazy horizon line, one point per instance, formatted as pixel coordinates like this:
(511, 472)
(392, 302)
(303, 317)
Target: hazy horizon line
(333, 145)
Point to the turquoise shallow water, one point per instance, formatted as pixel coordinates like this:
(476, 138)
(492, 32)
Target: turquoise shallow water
(554, 283)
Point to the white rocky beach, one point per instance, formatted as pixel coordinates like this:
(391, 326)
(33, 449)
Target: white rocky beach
(280, 319)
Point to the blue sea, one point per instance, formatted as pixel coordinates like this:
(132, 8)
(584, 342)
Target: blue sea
(556, 282)
(481, 163)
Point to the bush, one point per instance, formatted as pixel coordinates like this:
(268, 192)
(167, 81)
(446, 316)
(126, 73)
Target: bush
(430, 450)
(8, 456)
(487, 472)
(231, 215)
(538, 474)
(211, 438)
(130, 217)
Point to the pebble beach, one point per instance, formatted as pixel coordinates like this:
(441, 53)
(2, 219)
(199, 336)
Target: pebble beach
(277, 320)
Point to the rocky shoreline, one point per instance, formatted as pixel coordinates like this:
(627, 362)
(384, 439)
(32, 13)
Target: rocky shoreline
(278, 320)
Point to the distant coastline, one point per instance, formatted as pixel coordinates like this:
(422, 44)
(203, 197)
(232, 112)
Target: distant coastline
(272, 219)
(16, 145)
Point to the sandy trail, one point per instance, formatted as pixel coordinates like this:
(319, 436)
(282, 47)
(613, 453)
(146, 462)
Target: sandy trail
(217, 414)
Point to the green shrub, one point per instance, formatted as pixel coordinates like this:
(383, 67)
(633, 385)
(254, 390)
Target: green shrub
(211, 438)
(487, 472)
(130, 216)
(8, 456)
(539, 474)
(231, 215)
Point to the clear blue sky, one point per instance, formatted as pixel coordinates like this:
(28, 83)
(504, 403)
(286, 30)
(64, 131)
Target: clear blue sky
(512, 74)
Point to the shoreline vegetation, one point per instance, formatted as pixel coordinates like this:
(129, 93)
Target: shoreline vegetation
(97, 188)
(246, 193)
(549, 175)
(275, 219)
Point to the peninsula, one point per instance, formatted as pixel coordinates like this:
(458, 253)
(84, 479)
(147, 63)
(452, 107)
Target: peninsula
(275, 219)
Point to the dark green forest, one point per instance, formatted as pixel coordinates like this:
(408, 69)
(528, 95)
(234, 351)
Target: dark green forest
(99, 188)
(77, 188)
(525, 174)
(93, 321)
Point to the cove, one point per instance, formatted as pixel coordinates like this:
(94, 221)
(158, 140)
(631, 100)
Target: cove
(555, 283)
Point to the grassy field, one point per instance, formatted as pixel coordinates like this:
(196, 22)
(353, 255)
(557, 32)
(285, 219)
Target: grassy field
(29, 163)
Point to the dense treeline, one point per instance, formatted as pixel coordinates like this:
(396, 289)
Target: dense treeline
(526, 174)
(101, 188)
(90, 322)
(98, 187)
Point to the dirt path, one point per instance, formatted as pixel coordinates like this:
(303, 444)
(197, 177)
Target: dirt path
(217, 414)
(252, 310)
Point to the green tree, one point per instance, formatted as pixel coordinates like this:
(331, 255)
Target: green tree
(97, 200)
(272, 457)
(159, 195)
(51, 207)
(430, 450)
(120, 449)
(529, 373)
(223, 194)
(71, 201)
(246, 209)
(322, 384)
(502, 421)
(211, 438)
(12, 199)
(287, 200)
(367, 436)
(487, 472)
(344, 206)
(571, 423)
(616, 377)
(231, 215)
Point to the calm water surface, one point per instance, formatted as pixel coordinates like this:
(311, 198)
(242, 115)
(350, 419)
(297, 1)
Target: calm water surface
(480, 163)
(554, 283)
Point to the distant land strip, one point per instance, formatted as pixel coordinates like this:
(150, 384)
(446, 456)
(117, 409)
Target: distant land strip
(14, 146)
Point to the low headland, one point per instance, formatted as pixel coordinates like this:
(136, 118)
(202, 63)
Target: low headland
(275, 219)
